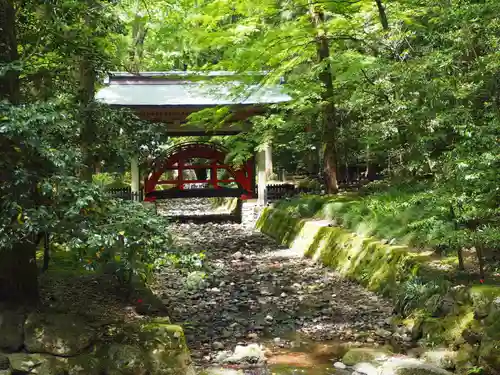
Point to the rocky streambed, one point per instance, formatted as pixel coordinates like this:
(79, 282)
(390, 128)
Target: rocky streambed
(256, 307)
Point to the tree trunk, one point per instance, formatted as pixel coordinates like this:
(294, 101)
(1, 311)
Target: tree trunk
(88, 130)
(19, 274)
(18, 271)
(382, 15)
(329, 117)
(139, 32)
(9, 82)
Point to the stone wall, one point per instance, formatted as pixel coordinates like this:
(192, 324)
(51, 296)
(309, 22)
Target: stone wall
(52, 343)
(461, 320)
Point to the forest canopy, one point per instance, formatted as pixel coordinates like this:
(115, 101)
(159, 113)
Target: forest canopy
(406, 91)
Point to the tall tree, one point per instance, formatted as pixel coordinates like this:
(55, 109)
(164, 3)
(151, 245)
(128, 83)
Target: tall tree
(18, 272)
(329, 116)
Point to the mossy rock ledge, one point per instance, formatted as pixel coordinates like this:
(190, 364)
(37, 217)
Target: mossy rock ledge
(461, 321)
(57, 344)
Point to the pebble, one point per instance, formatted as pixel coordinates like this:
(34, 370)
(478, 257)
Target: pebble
(339, 365)
(294, 294)
(217, 345)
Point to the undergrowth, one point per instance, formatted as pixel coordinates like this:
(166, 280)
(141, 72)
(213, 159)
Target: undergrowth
(413, 215)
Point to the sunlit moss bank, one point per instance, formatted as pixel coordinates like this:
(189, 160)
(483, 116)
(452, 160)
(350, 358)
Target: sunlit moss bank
(464, 318)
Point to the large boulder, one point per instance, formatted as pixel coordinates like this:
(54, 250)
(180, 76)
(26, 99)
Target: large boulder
(58, 334)
(244, 354)
(4, 362)
(409, 366)
(126, 360)
(24, 362)
(11, 330)
(86, 364)
(358, 355)
(165, 347)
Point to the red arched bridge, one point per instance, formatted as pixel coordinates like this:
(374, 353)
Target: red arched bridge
(169, 178)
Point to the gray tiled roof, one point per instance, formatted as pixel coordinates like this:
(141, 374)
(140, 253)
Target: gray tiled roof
(189, 93)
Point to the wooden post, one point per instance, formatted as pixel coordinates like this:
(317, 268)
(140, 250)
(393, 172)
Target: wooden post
(135, 186)
(213, 175)
(180, 176)
(262, 183)
(269, 160)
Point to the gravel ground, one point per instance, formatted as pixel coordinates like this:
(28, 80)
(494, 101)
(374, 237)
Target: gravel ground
(255, 290)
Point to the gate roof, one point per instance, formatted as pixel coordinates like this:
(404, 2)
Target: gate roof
(167, 89)
(170, 97)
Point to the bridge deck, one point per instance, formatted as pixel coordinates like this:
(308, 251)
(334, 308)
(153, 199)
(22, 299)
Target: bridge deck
(195, 193)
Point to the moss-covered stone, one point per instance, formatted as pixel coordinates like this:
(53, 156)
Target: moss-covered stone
(58, 334)
(91, 363)
(443, 358)
(410, 366)
(358, 355)
(24, 362)
(11, 329)
(125, 360)
(165, 347)
(489, 356)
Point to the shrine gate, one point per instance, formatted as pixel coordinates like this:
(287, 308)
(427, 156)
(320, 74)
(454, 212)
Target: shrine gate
(169, 98)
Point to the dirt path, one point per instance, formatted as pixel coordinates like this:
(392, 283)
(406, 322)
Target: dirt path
(255, 290)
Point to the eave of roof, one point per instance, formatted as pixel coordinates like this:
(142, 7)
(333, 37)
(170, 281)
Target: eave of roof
(164, 89)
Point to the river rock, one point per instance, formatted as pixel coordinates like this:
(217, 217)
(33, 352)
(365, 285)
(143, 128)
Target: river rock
(58, 334)
(11, 330)
(357, 355)
(339, 365)
(222, 371)
(383, 333)
(410, 366)
(365, 368)
(217, 345)
(443, 358)
(252, 353)
(238, 255)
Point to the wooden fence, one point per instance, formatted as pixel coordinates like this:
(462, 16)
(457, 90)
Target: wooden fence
(274, 192)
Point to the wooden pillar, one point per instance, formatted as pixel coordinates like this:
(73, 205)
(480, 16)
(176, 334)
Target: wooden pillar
(262, 182)
(135, 185)
(269, 160)
(213, 175)
(180, 174)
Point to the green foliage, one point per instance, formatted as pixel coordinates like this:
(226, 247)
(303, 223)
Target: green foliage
(415, 293)
(407, 214)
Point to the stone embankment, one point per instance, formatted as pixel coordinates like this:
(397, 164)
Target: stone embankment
(259, 305)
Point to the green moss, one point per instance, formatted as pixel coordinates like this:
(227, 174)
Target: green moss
(489, 355)
(358, 355)
(390, 270)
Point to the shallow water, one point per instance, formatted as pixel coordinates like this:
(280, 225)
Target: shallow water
(305, 358)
